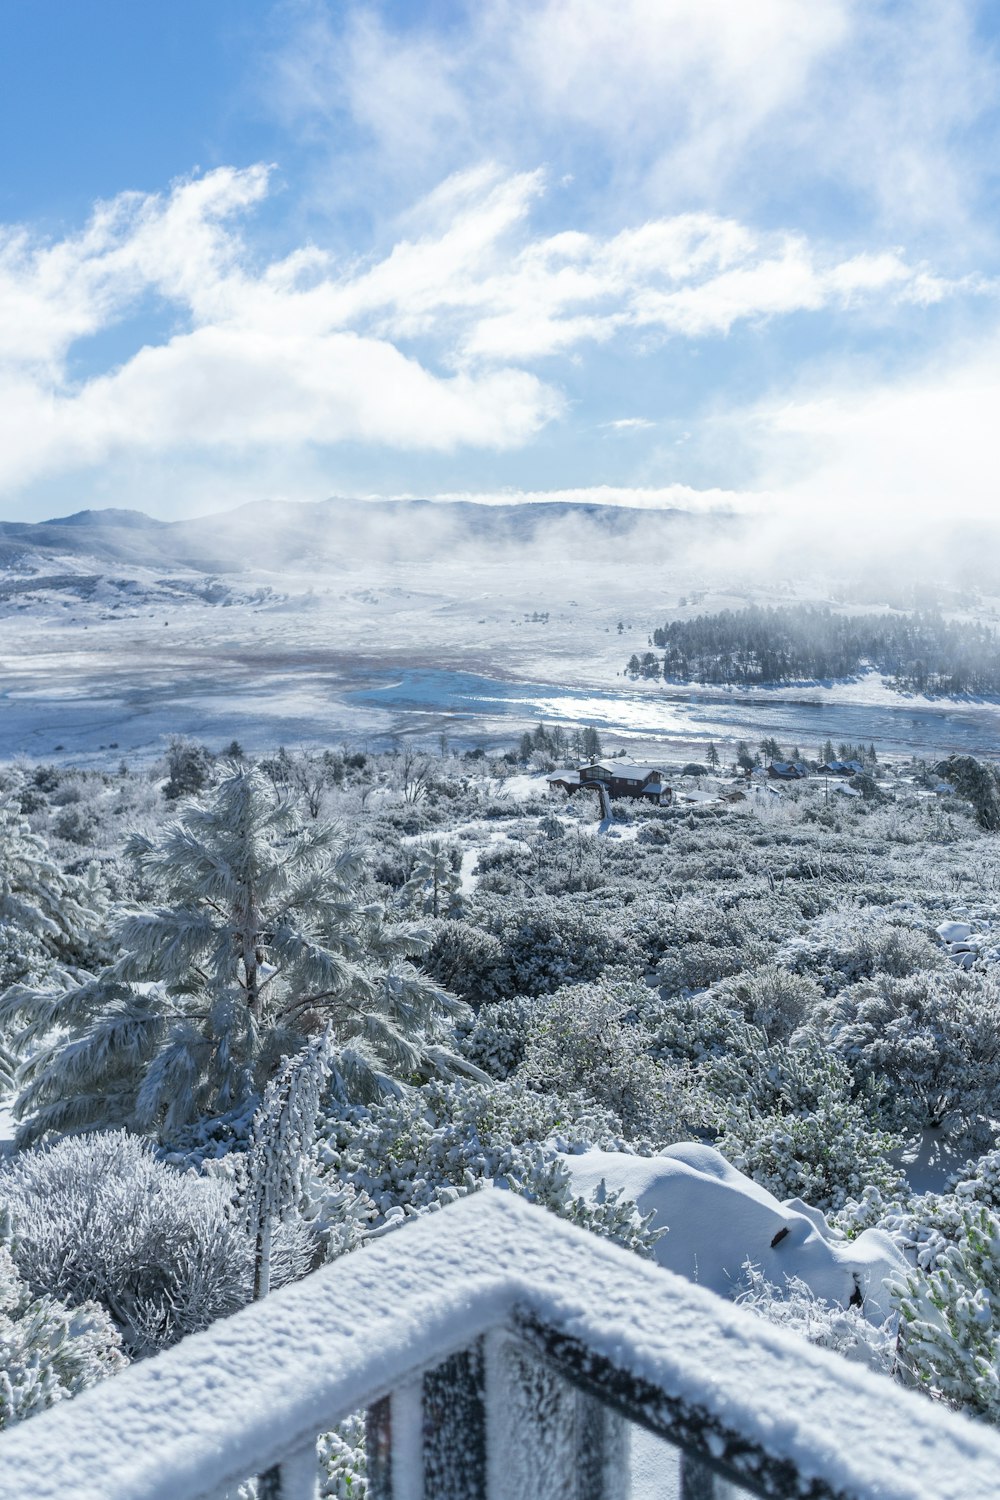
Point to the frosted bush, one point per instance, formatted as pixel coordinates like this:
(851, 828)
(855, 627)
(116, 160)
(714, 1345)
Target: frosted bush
(842, 947)
(772, 998)
(695, 966)
(47, 1351)
(463, 958)
(788, 1117)
(928, 1045)
(796, 1307)
(547, 942)
(343, 1463)
(824, 1155)
(588, 1038)
(419, 1153)
(99, 1218)
(497, 1037)
(949, 1328)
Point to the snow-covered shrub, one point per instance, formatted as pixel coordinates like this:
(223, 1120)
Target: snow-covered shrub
(842, 947)
(788, 1117)
(588, 1038)
(949, 1324)
(696, 966)
(47, 1351)
(547, 942)
(797, 1308)
(99, 1218)
(262, 933)
(420, 1152)
(692, 1028)
(823, 1155)
(772, 998)
(928, 1046)
(463, 958)
(496, 1039)
(343, 1463)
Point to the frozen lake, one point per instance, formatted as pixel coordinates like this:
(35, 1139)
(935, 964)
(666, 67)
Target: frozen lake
(687, 716)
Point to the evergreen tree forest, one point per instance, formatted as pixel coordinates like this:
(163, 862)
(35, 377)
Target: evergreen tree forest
(921, 652)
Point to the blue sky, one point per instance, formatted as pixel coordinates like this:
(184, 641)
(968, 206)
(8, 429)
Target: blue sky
(666, 251)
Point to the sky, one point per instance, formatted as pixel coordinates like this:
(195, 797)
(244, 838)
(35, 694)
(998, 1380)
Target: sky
(663, 252)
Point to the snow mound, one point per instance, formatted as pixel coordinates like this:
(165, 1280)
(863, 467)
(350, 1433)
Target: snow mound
(718, 1219)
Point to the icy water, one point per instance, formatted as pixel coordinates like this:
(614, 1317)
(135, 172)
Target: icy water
(793, 719)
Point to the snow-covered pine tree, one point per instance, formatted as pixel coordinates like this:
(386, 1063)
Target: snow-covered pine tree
(435, 886)
(43, 912)
(263, 935)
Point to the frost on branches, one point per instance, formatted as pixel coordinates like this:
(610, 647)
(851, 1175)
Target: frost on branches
(46, 915)
(949, 1317)
(47, 1351)
(263, 932)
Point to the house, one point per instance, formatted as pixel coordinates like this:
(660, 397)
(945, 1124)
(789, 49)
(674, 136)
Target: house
(840, 768)
(787, 770)
(619, 778)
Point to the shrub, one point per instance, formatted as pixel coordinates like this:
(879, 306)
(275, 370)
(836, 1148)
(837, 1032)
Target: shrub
(928, 1045)
(416, 1154)
(772, 998)
(588, 1038)
(949, 1333)
(47, 1352)
(99, 1218)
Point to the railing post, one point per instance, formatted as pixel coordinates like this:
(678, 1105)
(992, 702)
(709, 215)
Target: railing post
(454, 1427)
(545, 1438)
(295, 1478)
(427, 1440)
(697, 1480)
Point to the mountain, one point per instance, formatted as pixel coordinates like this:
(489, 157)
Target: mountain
(271, 536)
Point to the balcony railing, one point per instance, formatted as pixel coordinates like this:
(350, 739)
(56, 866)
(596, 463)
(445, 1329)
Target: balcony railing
(500, 1354)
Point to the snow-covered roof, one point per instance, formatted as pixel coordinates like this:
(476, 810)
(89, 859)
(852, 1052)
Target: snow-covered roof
(256, 1388)
(622, 770)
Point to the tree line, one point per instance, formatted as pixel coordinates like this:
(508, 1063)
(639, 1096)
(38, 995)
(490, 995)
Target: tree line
(919, 652)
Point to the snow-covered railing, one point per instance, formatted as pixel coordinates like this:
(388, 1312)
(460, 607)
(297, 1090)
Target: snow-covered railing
(500, 1354)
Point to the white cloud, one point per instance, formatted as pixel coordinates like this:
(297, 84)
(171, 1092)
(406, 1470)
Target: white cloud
(662, 104)
(887, 457)
(428, 349)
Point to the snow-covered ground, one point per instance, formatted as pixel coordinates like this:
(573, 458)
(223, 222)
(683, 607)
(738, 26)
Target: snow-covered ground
(477, 649)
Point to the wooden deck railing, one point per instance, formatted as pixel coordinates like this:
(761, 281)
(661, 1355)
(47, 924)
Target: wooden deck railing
(500, 1354)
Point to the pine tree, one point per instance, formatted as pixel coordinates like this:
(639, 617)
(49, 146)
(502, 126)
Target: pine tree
(434, 888)
(262, 935)
(591, 741)
(712, 756)
(61, 910)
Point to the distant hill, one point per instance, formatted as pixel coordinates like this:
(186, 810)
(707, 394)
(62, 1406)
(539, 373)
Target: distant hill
(273, 535)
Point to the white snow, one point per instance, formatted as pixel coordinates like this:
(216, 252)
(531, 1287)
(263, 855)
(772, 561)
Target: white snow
(954, 932)
(717, 1219)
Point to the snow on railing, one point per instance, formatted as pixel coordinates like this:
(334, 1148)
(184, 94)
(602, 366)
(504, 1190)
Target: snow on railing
(500, 1354)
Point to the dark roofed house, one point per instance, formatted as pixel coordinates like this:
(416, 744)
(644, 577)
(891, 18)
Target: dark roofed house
(619, 778)
(787, 770)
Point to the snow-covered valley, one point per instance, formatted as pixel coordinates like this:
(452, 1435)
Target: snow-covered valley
(101, 651)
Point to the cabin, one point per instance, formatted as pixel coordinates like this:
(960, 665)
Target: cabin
(840, 768)
(619, 778)
(787, 770)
